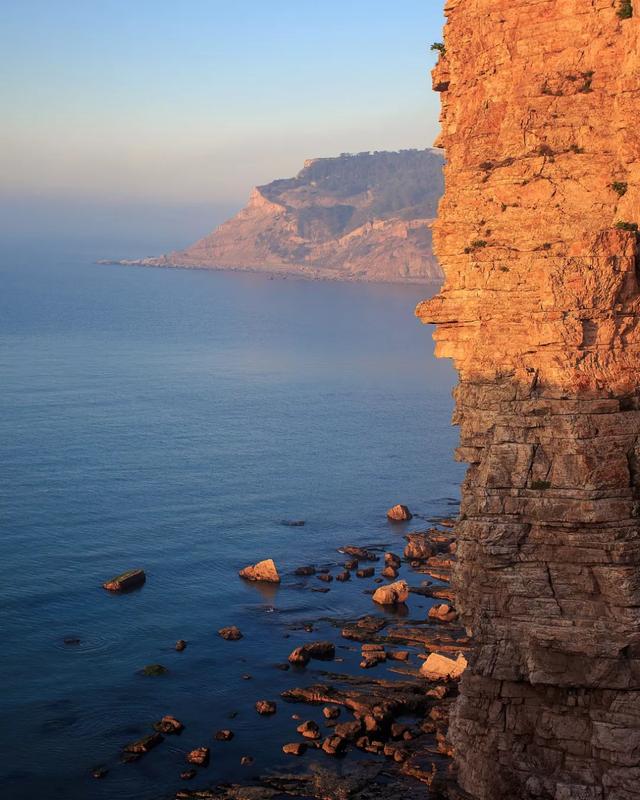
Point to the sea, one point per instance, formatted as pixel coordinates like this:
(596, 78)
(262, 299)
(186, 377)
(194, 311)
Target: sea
(175, 420)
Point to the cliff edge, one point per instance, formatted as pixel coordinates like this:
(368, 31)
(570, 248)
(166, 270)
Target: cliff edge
(538, 238)
(356, 217)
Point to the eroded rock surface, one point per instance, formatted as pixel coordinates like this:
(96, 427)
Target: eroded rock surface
(539, 311)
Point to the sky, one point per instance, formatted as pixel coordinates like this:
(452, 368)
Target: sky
(159, 103)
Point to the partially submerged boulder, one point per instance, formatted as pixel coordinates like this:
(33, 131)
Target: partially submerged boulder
(264, 571)
(438, 667)
(418, 547)
(231, 633)
(169, 725)
(199, 756)
(399, 513)
(323, 651)
(392, 593)
(443, 613)
(141, 746)
(127, 580)
(266, 707)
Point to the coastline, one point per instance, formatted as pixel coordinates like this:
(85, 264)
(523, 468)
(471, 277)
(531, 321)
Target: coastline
(272, 273)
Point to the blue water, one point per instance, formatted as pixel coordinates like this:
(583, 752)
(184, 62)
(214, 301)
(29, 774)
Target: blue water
(171, 419)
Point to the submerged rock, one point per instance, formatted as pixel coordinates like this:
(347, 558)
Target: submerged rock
(366, 572)
(264, 571)
(343, 576)
(153, 670)
(392, 594)
(292, 523)
(143, 745)
(399, 513)
(224, 735)
(127, 580)
(306, 570)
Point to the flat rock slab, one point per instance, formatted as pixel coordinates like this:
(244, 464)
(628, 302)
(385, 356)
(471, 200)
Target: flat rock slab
(127, 580)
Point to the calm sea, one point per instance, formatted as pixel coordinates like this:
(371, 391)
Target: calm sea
(171, 420)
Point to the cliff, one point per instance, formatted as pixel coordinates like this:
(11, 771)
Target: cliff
(356, 217)
(538, 240)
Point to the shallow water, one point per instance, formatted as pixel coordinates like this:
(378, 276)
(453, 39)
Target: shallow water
(171, 419)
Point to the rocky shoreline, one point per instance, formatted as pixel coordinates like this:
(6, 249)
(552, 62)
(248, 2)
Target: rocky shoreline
(385, 714)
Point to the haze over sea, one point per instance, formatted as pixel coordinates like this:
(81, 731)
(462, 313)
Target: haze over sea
(171, 419)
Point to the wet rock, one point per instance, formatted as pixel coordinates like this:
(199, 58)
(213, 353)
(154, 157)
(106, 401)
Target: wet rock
(154, 670)
(300, 657)
(264, 571)
(308, 570)
(294, 748)
(366, 572)
(199, 756)
(181, 645)
(127, 580)
(398, 655)
(266, 707)
(418, 547)
(169, 725)
(392, 594)
(437, 667)
(246, 677)
(246, 761)
(389, 572)
(284, 667)
(325, 577)
(392, 560)
(343, 576)
(363, 628)
(443, 613)
(309, 729)
(333, 745)
(348, 730)
(224, 735)
(231, 633)
(143, 745)
(399, 513)
(351, 564)
(359, 552)
(324, 651)
(188, 774)
(99, 772)
(331, 712)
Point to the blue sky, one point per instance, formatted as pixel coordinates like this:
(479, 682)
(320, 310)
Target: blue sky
(198, 100)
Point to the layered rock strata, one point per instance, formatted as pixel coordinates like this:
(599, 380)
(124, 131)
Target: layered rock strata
(356, 217)
(538, 240)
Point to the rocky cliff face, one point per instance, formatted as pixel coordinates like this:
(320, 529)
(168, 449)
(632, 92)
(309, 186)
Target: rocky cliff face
(538, 240)
(365, 216)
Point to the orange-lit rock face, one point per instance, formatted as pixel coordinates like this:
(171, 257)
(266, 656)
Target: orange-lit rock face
(540, 313)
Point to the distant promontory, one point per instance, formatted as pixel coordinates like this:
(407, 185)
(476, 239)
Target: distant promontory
(355, 217)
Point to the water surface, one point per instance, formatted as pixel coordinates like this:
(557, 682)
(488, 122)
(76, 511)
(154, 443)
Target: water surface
(171, 419)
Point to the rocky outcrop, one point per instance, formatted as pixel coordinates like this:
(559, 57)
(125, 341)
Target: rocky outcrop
(355, 217)
(538, 240)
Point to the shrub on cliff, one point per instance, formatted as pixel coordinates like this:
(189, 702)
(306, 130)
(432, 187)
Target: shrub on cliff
(625, 9)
